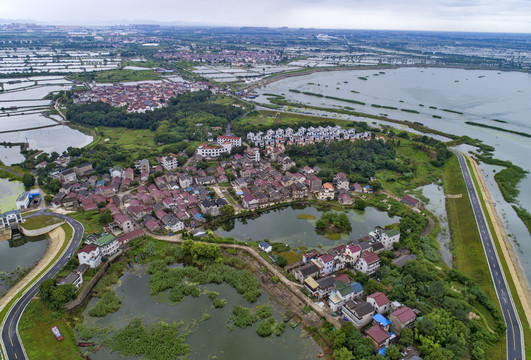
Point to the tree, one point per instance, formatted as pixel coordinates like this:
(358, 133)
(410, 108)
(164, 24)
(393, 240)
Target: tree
(407, 337)
(105, 218)
(393, 352)
(282, 261)
(227, 210)
(28, 180)
(46, 289)
(360, 204)
(342, 354)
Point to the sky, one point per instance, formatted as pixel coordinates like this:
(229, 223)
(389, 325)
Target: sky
(438, 15)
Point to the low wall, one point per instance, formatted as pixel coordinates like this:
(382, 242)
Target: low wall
(87, 291)
(41, 231)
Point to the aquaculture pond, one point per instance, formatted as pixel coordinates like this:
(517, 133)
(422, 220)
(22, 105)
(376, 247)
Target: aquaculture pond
(296, 227)
(212, 338)
(19, 254)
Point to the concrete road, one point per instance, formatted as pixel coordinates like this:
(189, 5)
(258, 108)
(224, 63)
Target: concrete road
(515, 348)
(11, 343)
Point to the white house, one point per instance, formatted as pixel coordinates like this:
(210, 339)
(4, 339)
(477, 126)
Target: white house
(379, 302)
(233, 140)
(90, 255)
(205, 150)
(389, 237)
(265, 246)
(11, 217)
(169, 162)
(368, 263)
(107, 244)
(73, 278)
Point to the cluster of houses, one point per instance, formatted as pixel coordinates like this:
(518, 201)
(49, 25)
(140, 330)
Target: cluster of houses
(233, 57)
(317, 273)
(304, 136)
(259, 184)
(141, 97)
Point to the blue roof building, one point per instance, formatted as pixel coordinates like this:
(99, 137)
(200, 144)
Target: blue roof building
(265, 246)
(380, 319)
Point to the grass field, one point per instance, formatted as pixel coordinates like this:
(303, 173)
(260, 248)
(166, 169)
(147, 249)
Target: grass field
(467, 249)
(425, 174)
(88, 219)
(39, 341)
(523, 318)
(39, 222)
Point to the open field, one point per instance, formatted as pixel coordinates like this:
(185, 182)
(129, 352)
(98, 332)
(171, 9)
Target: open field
(88, 219)
(40, 343)
(39, 222)
(469, 256)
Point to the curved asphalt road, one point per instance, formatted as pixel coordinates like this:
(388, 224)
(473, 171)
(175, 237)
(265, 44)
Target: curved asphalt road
(512, 321)
(10, 339)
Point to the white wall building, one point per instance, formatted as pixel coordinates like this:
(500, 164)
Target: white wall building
(169, 162)
(90, 255)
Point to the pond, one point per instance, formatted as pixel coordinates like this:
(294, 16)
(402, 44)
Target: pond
(283, 226)
(22, 252)
(437, 206)
(10, 155)
(211, 339)
(9, 191)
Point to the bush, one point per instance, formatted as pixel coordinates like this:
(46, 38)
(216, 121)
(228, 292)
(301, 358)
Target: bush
(108, 304)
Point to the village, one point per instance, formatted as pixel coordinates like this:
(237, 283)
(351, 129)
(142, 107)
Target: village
(157, 199)
(141, 97)
(233, 57)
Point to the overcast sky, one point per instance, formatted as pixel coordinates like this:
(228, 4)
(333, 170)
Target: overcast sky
(451, 15)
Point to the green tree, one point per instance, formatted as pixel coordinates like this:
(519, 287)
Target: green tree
(407, 337)
(227, 210)
(342, 354)
(393, 352)
(360, 204)
(282, 261)
(28, 180)
(105, 218)
(46, 289)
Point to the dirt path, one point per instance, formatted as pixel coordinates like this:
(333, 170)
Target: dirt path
(508, 251)
(57, 238)
(292, 286)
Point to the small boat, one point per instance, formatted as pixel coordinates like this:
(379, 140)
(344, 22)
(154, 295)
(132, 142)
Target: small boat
(136, 259)
(85, 344)
(142, 256)
(130, 265)
(290, 316)
(321, 355)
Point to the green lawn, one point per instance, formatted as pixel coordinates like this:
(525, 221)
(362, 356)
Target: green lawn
(39, 222)
(89, 219)
(39, 341)
(467, 249)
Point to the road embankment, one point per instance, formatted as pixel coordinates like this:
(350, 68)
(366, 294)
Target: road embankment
(516, 271)
(57, 238)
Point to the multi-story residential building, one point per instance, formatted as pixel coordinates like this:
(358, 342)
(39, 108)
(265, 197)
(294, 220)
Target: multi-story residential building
(359, 313)
(379, 302)
(233, 140)
(389, 237)
(169, 162)
(368, 263)
(90, 255)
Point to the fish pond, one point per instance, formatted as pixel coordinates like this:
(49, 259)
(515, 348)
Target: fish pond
(296, 226)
